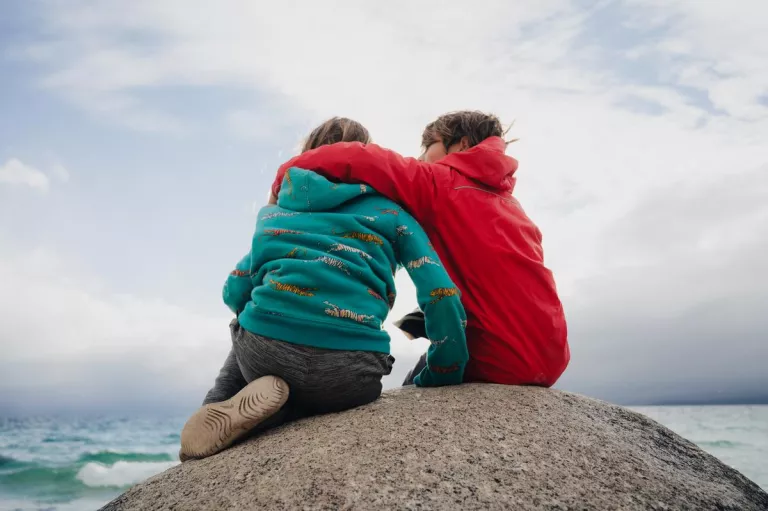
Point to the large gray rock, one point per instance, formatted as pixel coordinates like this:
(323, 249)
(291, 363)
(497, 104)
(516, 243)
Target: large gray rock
(467, 447)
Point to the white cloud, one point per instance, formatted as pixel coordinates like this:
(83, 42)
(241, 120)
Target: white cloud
(715, 46)
(60, 173)
(365, 61)
(273, 123)
(56, 323)
(677, 311)
(14, 172)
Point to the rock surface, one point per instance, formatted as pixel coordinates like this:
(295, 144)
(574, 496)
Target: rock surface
(467, 447)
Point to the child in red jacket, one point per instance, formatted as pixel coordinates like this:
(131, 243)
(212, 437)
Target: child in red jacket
(460, 191)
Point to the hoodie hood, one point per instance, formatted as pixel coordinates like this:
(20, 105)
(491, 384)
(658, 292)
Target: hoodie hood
(486, 163)
(306, 191)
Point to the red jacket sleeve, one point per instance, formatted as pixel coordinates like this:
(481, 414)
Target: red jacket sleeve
(407, 181)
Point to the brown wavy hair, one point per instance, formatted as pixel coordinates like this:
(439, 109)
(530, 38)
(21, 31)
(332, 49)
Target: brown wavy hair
(454, 126)
(336, 129)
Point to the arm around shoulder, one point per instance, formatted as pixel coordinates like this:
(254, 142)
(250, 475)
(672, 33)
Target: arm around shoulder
(407, 181)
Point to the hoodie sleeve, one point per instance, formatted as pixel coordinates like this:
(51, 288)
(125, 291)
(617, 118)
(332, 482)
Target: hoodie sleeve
(407, 181)
(440, 300)
(238, 287)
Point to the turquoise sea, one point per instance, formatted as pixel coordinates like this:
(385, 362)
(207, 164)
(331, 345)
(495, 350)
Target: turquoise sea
(64, 464)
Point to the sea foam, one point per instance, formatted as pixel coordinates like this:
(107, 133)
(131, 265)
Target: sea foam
(121, 474)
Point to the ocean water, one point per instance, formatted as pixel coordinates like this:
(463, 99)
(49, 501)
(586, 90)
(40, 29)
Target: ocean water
(737, 435)
(65, 465)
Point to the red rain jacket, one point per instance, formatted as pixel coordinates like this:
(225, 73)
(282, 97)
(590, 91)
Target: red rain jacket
(516, 331)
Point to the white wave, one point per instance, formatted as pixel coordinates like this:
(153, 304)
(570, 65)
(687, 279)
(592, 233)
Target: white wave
(122, 473)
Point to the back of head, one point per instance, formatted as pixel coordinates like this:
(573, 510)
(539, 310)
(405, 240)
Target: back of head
(316, 195)
(453, 134)
(470, 125)
(334, 130)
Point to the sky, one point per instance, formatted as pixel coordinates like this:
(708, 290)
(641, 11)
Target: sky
(139, 139)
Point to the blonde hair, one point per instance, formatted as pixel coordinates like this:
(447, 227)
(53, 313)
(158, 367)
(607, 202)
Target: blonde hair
(336, 129)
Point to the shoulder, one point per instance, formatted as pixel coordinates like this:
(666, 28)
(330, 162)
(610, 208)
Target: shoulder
(403, 223)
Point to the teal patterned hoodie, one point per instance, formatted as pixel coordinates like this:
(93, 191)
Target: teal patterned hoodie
(321, 273)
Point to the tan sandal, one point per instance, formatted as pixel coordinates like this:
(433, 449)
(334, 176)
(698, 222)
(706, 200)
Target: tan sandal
(215, 426)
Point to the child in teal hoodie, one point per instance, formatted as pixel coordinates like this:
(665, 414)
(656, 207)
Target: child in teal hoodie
(311, 297)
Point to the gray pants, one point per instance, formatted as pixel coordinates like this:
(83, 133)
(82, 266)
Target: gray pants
(320, 380)
(413, 324)
(420, 365)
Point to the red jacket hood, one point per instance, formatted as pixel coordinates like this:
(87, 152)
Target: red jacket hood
(487, 163)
